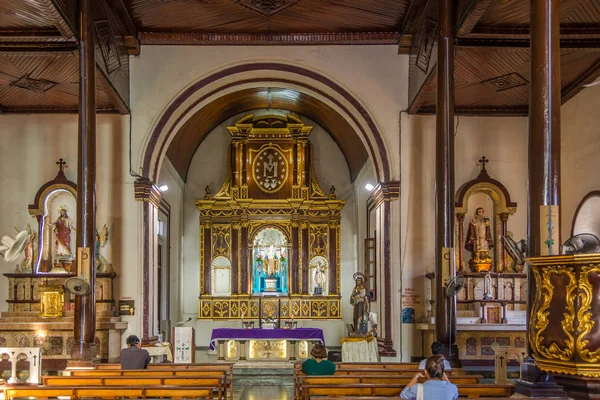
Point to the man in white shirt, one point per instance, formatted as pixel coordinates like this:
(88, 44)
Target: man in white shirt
(436, 348)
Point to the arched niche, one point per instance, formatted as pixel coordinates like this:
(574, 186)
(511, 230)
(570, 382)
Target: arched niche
(270, 270)
(54, 207)
(319, 282)
(221, 276)
(587, 215)
(503, 208)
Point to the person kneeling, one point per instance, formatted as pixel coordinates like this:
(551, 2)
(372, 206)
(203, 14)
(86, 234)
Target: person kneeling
(437, 386)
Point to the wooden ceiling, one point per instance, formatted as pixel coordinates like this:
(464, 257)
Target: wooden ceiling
(39, 42)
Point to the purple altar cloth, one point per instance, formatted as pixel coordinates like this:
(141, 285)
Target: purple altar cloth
(261, 334)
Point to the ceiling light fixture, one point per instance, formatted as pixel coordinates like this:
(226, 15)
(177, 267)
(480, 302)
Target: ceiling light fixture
(369, 187)
(163, 188)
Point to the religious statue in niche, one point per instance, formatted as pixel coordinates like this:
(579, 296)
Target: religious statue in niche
(479, 242)
(360, 301)
(270, 272)
(318, 267)
(62, 227)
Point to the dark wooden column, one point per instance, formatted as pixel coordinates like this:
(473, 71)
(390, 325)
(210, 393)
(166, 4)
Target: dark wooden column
(544, 125)
(84, 327)
(544, 164)
(445, 326)
(544, 130)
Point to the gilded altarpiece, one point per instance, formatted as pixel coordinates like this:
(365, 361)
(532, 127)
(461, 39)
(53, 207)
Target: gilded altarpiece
(274, 224)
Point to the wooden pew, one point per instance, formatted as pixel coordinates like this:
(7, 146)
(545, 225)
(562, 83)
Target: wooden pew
(163, 369)
(364, 389)
(104, 392)
(343, 378)
(217, 382)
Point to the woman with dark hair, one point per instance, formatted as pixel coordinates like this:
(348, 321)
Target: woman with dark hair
(319, 365)
(436, 385)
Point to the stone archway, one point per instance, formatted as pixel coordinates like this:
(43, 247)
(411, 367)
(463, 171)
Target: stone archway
(202, 93)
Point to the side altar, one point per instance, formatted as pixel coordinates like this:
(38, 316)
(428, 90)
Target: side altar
(270, 237)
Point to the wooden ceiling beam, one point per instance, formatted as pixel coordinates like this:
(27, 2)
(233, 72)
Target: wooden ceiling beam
(38, 48)
(412, 19)
(581, 44)
(577, 85)
(473, 11)
(511, 111)
(63, 14)
(241, 39)
(130, 32)
(508, 32)
(427, 86)
(38, 34)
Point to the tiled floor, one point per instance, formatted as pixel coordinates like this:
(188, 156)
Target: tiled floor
(264, 393)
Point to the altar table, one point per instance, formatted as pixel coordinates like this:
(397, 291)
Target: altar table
(269, 341)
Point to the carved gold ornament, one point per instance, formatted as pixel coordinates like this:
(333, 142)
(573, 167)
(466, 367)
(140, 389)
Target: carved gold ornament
(270, 169)
(554, 351)
(586, 324)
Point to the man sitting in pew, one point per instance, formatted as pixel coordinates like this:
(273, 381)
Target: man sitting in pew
(436, 348)
(134, 357)
(437, 386)
(320, 365)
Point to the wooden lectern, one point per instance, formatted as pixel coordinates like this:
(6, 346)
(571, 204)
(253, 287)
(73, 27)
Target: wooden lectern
(184, 345)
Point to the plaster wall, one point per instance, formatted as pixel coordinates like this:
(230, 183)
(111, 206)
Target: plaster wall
(31, 145)
(208, 168)
(580, 146)
(503, 141)
(376, 75)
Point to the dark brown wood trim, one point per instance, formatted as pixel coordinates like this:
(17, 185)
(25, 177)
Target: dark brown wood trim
(385, 191)
(64, 14)
(8, 110)
(523, 32)
(38, 47)
(510, 43)
(412, 19)
(120, 11)
(248, 39)
(483, 111)
(576, 86)
(145, 190)
(593, 193)
(473, 12)
(37, 33)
